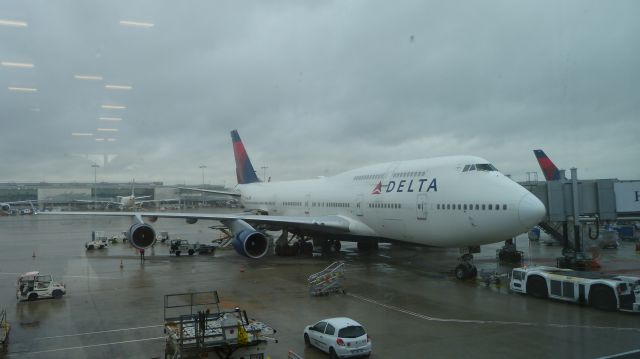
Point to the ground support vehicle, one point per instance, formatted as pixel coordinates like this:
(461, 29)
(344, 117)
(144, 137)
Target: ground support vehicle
(195, 327)
(99, 240)
(5, 328)
(163, 237)
(509, 253)
(327, 281)
(180, 246)
(33, 285)
(340, 337)
(599, 290)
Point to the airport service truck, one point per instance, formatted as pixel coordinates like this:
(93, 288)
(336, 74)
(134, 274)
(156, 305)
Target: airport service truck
(599, 290)
(178, 246)
(33, 285)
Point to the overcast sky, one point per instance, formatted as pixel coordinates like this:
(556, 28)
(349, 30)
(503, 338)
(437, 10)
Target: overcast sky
(317, 87)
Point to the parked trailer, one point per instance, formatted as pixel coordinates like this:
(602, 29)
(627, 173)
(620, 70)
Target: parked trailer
(5, 328)
(196, 327)
(599, 290)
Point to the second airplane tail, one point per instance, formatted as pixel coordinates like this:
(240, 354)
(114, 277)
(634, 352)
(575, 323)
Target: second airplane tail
(551, 172)
(244, 169)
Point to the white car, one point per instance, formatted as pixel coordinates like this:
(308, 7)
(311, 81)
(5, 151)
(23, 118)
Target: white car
(340, 337)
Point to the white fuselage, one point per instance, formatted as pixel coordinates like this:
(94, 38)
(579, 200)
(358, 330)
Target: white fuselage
(429, 201)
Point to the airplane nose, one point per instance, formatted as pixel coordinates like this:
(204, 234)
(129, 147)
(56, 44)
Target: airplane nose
(531, 210)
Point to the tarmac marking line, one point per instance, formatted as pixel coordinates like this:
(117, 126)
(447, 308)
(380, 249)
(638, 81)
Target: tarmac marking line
(620, 355)
(98, 332)
(88, 346)
(479, 321)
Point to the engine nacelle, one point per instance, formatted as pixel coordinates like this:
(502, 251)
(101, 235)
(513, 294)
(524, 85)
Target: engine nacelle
(141, 235)
(251, 243)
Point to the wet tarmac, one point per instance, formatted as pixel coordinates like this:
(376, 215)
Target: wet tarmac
(406, 297)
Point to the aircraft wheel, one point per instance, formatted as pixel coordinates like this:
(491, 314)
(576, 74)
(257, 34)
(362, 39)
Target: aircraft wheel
(462, 272)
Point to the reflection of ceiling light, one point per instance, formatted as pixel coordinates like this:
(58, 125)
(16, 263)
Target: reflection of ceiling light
(88, 77)
(136, 23)
(118, 87)
(81, 134)
(110, 119)
(15, 23)
(113, 107)
(100, 139)
(23, 65)
(111, 140)
(22, 89)
(107, 129)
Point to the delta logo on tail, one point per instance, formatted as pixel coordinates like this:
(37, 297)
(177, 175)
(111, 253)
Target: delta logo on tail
(378, 188)
(551, 172)
(244, 169)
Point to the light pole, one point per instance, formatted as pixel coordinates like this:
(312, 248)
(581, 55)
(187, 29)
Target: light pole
(202, 167)
(95, 183)
(264, 173)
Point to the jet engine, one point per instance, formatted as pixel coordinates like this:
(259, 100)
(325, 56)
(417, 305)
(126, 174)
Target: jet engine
(247, 241)
(141, 235)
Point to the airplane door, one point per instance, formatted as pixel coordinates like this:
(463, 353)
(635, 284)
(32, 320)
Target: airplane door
(359, 204)
(421, 207)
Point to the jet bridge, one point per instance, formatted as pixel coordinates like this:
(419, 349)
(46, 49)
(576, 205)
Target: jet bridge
(581, 206)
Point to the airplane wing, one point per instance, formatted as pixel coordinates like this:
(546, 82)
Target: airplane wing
(159, 200)
(141, 197)
(227, 193)
(92, 201)
(334, 223)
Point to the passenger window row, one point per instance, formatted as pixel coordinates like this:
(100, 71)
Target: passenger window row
(369, 177)
(409, 174)
(298, 204)
(331, 204)
(385, 205)
(471, 207)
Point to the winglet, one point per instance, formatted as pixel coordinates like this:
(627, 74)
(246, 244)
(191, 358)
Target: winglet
(244, 169)
(551, 172)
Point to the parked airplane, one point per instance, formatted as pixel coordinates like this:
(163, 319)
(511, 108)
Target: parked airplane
(130, 202)
(457, 201)
(551, 172)
(5, 207)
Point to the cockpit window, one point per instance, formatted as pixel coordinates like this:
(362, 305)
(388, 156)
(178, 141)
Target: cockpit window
(486, 167)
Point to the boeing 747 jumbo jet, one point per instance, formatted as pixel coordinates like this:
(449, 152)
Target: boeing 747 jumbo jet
(457, 201)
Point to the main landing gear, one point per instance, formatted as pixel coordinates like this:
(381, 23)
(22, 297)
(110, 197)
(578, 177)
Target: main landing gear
(466, 269)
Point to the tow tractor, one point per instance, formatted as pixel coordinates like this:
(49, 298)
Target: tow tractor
(33, 285)
(179, 246)
(599, 290)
